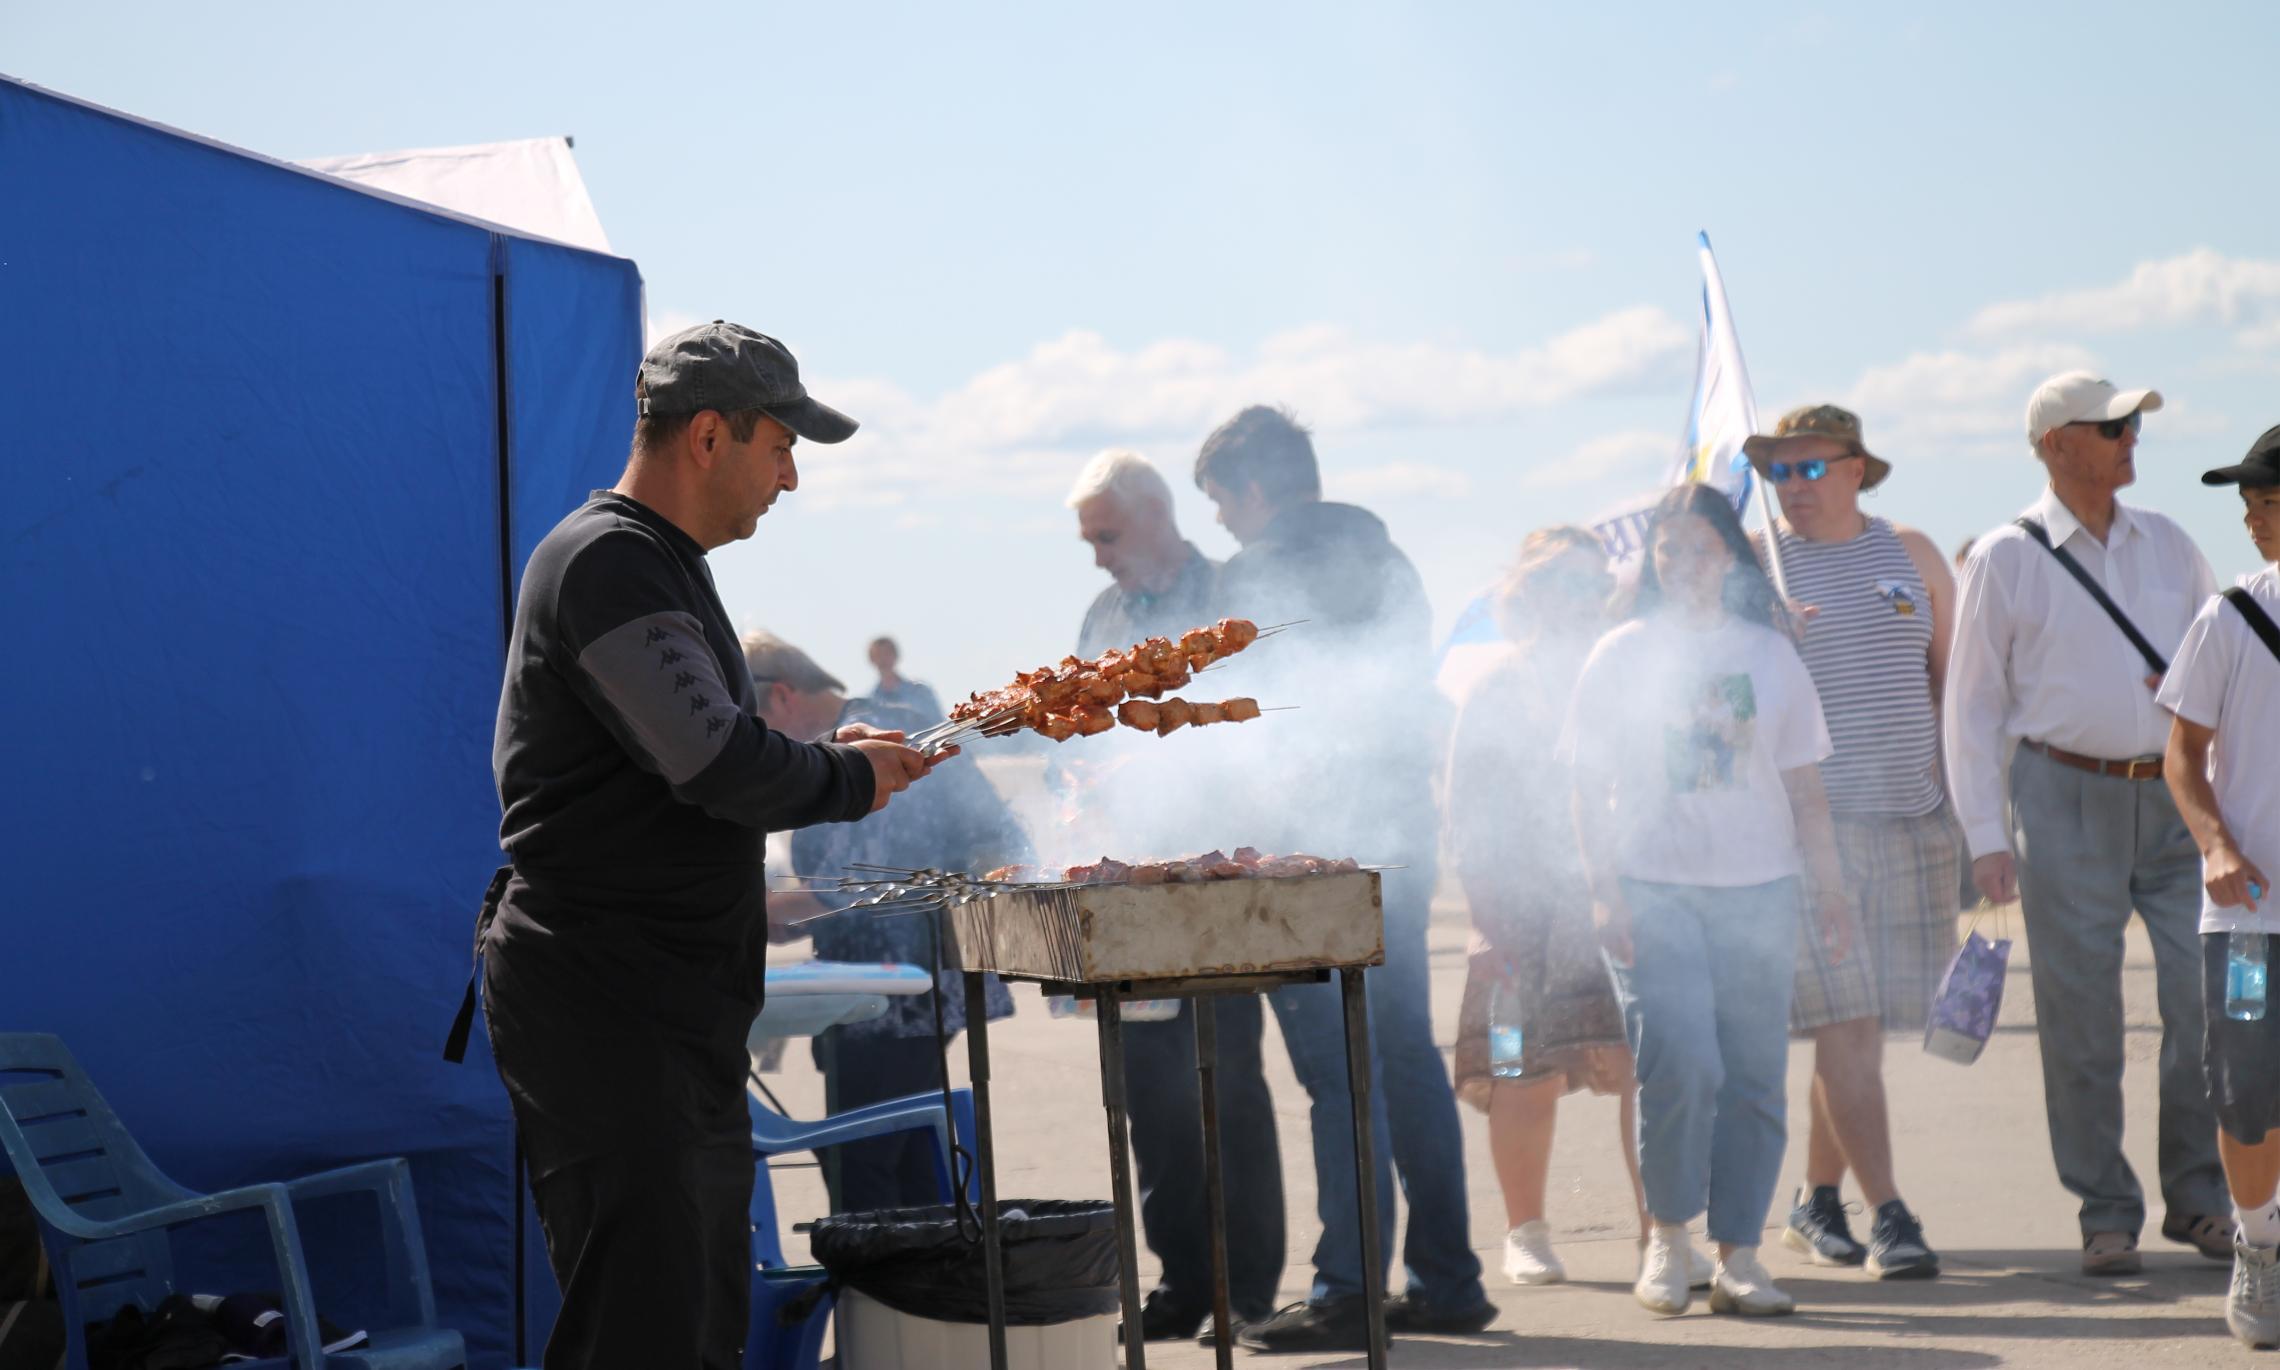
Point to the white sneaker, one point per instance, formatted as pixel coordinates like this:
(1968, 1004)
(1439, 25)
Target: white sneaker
(1742, 1286)
(1528, 1257)
(1700, 1268)
(2252, 1308)
(1663, 1274)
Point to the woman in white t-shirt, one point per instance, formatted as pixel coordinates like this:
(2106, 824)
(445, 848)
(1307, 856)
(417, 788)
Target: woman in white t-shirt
(1695, 734)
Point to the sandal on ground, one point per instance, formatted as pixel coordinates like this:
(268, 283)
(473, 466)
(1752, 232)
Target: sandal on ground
(2208, 1234)
(2111, 1253)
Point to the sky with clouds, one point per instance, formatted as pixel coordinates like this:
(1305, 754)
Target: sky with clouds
(1455, 239)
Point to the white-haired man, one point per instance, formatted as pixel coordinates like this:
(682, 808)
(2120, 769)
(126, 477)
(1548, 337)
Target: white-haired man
(1161, 585)
(2065, 624)
(1160, 581)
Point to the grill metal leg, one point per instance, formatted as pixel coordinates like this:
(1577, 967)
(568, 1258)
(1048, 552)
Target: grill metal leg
(1214, 1191)
(985, 1160)
(1120, 1173)
(1365, 1157)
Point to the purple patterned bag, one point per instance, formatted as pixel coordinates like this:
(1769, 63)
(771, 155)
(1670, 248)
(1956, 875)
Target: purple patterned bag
(1969, 998)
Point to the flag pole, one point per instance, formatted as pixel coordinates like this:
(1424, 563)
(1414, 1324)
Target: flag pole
(1772, 540)
(1718, 326)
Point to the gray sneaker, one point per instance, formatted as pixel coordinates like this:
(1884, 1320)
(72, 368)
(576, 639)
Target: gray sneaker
(1817, 1228)
(2252, 1308)
(1896, 1246)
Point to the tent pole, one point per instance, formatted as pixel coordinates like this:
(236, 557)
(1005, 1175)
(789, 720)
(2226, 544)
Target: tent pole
(506, 631)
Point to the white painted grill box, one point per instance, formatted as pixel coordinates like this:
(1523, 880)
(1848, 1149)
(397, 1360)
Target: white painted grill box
(1101, 934)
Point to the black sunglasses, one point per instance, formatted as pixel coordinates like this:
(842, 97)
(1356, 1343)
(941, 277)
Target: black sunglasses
(1779, 472)
(2110, 429)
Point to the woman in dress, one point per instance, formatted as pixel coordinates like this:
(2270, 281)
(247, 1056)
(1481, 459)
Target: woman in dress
(1696, 736)
(1535, 963)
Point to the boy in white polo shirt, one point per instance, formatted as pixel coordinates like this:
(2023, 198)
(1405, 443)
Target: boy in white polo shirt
(2223, 767)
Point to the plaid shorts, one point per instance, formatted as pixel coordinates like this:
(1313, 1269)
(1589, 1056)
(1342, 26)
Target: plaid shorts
(1903, 874)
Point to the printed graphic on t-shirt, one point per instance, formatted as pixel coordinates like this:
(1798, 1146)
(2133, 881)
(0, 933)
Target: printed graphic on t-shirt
(1898, 595)
(1707, 752)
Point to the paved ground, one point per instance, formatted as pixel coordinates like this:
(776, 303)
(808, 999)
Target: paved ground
(1974, 1161)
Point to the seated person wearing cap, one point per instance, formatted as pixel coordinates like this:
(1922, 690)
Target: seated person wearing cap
(2090, 833)
(623, 952)
(956, 823)
(2224, 769)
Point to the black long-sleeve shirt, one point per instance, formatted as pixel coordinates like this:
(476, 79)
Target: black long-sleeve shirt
(624, 967)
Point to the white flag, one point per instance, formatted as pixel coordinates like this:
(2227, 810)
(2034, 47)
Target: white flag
(1722, 416)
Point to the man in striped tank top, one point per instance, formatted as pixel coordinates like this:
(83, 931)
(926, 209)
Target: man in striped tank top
(1875, 605)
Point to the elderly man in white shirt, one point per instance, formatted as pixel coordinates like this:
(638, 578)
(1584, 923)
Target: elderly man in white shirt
(2090, 831)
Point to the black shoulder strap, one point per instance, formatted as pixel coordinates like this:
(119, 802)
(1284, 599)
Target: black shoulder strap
(2259, 622)
(2066, 559)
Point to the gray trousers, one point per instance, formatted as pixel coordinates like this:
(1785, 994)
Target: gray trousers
(2091, 848)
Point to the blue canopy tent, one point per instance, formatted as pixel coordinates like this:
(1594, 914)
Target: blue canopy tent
(280, 447)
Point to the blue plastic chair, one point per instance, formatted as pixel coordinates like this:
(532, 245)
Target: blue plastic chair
(774, 1342)
(104, 1211)
(773, 1134)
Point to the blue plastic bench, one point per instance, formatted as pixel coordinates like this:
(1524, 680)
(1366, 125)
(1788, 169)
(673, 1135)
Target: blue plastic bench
(104, 1210)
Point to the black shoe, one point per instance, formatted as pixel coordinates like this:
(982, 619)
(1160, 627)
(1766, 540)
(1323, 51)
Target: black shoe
(1237, 1320)
(1896, 1248)
(1410, 1313)
(1329, 1325)
(1817, 1227)
(1163, 1320)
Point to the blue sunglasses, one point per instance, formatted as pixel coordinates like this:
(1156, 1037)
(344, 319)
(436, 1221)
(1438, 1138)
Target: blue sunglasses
(1779, 472)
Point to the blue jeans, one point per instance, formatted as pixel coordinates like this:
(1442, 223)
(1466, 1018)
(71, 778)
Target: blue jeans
(1706, 1006)
(1166, 1112)
(1409, 1083)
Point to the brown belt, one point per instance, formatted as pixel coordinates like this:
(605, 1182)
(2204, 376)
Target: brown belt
(2143, 768)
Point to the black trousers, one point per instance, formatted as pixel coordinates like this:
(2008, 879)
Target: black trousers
(1166, 1109)
(894, 1171)
(653, 1252)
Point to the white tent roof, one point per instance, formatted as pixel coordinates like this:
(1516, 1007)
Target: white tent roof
(531, 184)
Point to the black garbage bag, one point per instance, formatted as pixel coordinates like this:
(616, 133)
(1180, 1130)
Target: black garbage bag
(1060, 1260)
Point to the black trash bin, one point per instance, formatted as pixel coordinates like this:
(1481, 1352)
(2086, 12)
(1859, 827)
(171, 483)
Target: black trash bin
(1060, 1260)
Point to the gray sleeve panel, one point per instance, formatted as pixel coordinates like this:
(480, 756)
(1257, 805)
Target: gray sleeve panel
(659, 675)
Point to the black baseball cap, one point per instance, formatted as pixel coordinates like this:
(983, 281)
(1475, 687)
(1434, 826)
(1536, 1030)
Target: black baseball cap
(2261, 467)
(728, 367)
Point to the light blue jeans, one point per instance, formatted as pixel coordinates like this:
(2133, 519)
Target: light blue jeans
(1706, 1006)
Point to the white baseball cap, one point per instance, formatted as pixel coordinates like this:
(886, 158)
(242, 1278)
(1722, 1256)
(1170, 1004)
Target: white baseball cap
(2078, 397)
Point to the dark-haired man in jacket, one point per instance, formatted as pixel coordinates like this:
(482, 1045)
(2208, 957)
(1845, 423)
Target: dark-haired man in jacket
(1353, 776)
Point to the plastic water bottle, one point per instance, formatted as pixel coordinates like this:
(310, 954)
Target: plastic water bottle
(1504, 1033)
(2244, 976)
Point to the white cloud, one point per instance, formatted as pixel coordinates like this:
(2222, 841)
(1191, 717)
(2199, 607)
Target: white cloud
(1023, 426)
(2263, 335)
(1637, 455)
(1942, 398)
(1398, 479)
(2201, 287)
